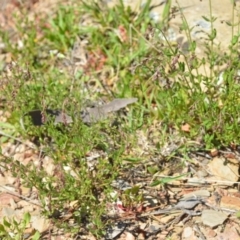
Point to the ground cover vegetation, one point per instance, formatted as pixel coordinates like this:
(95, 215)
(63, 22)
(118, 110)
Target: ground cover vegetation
(83, 53)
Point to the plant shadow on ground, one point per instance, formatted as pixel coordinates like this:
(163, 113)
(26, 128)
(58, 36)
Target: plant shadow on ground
(128, 55)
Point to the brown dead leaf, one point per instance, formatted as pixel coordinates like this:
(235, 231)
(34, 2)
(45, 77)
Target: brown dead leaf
(187, 191)
(230, 202)
(29, 231)
(230, 155)
(223, 170)
(39, 223)
(95, 61)
(122, 33)
(214, 152)
(188, 234)
(127, 236)
(6, 198)
(210, 233)
(236, 194)
(185, 127)
(230, 232)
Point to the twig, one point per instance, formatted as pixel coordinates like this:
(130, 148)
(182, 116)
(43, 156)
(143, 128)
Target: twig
(197, 229)
(20, 196)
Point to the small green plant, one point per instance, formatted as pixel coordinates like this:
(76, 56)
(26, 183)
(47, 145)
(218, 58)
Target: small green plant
(62, 30)
(7, 131)
(132, 199)
(126, 57)
(11, 229)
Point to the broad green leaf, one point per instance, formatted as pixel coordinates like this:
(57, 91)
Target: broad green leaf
(2, 229)
(235, 39)
(6, 223)
(27, 218)
(36, 236)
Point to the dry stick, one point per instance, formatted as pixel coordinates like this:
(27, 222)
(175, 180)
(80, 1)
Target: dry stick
(20, 196)
(197, 229)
